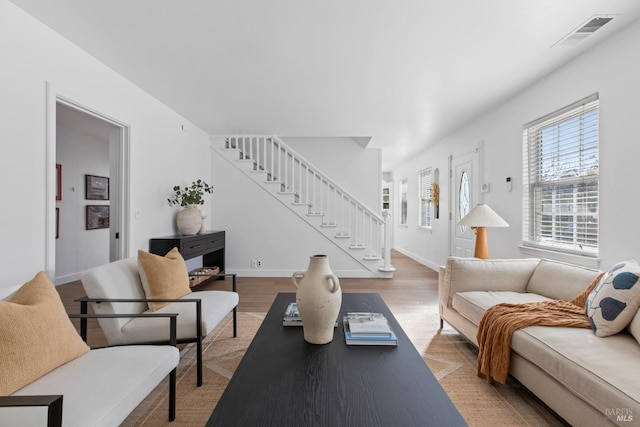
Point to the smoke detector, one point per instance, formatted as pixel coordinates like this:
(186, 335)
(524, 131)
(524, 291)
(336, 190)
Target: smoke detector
(584, 30)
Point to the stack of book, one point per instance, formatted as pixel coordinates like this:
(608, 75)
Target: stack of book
(292, 316)
(368, 329)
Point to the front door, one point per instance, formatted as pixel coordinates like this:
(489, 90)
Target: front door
(463, 185)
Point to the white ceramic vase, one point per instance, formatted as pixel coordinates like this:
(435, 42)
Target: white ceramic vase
(319, 299)
(189, 220)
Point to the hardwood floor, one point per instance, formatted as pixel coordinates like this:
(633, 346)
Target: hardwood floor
(414, 287)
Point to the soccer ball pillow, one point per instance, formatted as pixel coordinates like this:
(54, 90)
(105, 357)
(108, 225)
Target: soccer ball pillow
(614, 301)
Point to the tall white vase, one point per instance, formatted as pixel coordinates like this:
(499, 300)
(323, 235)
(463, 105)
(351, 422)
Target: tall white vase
(319, 299)
(189, 220)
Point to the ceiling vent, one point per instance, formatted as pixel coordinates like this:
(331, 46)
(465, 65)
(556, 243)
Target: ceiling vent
(583, 31)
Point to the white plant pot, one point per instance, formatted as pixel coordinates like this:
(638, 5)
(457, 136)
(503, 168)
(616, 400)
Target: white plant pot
(189, 220)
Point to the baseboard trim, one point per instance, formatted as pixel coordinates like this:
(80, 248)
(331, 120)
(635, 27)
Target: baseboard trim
(425, 262)
(61, 280)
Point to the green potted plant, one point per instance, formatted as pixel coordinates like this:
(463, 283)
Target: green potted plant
(190, 218)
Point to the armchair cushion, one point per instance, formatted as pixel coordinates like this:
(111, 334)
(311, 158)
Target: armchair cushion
(163, 277)
(215, 306)
(101, 388)
(36, 336)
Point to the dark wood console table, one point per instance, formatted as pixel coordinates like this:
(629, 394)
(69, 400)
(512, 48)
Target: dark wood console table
(209, 245)
(283, 381)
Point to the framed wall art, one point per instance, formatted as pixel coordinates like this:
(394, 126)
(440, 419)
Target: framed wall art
(97, 217)
(96, 187)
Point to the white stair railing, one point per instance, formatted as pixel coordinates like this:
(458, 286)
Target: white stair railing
(339, 210)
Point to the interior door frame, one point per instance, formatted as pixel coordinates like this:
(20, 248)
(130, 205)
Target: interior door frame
(122, 181)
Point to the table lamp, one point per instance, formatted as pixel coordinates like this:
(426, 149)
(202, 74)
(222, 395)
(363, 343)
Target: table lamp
(481, 217)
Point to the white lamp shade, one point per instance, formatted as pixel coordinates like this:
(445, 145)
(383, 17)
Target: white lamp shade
(482, 216)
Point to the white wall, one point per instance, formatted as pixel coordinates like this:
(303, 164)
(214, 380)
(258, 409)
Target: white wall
(162, 154)
(259, 227)
(611, 69)
(78, 249)
(347, 163)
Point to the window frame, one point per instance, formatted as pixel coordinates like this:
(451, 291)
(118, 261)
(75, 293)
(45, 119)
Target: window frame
(425, 204)
(561, 180)
(404, 203)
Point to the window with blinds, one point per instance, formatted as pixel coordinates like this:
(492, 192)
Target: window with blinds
(425, 205)
(560, 209)
(403, 202)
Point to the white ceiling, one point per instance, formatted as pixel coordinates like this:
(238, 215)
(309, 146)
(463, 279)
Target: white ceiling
(401, 73)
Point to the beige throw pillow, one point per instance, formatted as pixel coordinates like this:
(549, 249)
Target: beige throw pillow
(163, 277)
(36, 335)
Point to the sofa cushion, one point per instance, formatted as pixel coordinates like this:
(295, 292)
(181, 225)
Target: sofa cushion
(36, 335)
(600, 371)
(102, 387)
(559, 280)
(473, 304)
(634, 326)
(614, 301)
(472, 274)
(163, 277)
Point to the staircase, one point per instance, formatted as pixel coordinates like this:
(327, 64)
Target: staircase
(312, 196)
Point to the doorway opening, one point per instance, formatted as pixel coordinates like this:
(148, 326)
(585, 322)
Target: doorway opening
(87, 157)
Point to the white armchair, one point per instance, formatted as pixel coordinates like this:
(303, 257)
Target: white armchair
(117, 288)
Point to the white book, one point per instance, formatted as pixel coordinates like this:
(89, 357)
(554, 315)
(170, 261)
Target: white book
(369, 324)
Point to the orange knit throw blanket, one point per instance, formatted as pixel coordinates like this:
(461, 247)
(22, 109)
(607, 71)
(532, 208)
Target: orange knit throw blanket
(502, 320)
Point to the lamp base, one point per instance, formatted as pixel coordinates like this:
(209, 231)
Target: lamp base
(482, 249)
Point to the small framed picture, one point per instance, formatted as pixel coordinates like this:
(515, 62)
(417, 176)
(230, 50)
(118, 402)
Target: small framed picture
(97, 187)
(97, 217)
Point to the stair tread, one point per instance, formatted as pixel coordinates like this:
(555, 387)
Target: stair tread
(359, 251)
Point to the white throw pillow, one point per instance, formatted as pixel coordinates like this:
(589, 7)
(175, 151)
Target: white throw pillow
(614, 301)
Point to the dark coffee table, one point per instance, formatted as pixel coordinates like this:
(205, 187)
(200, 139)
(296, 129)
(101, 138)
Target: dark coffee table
(284, 381)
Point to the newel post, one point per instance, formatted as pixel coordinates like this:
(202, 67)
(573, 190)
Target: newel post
(387, 242)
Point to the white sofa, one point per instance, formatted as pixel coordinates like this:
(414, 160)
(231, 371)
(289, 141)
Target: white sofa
(99, 388)
(587, 380)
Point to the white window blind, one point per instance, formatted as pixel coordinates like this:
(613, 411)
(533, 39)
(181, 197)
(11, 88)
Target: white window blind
(425, 180)
(403, 202)
(560, 168)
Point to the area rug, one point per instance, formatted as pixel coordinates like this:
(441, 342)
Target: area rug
(451, 359)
